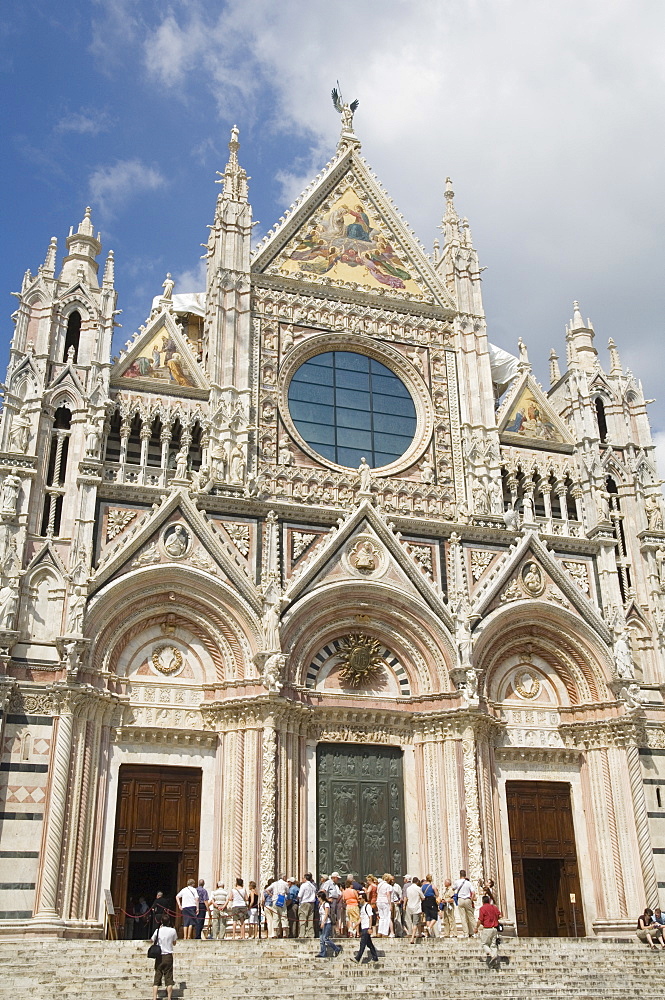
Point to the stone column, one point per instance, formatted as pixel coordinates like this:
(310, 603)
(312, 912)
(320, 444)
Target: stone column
(268, 796)
(642, 826)
(47, 895)
(472, 803)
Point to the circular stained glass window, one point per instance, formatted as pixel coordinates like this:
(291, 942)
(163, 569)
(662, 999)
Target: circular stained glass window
(346, 405)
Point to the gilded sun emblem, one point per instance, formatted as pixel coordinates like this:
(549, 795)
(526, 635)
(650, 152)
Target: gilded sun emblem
(361, 660)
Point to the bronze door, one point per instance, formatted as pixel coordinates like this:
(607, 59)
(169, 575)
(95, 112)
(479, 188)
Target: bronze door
(544, 859)
(360, 810)
(158, 817)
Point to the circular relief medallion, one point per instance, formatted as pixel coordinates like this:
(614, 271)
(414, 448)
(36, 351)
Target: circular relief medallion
(365, 556)
(167, 659)
(361, 660)
(527, 685)
(177, 541)
(532, 579)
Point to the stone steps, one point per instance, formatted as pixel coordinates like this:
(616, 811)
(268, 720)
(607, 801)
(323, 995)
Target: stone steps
(533, 969)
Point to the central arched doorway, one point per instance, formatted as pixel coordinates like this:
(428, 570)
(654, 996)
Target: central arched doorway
(360, 809)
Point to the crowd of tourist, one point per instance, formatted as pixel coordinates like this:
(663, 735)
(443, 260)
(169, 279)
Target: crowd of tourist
(337, 907)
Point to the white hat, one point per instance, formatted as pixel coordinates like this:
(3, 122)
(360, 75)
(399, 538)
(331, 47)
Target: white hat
(335, 875)
(290, 879)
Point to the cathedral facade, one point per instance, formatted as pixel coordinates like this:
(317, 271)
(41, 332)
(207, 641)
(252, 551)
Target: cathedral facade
(312, 577)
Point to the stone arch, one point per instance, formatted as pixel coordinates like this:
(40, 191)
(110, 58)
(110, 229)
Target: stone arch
(329, 655)
(565, 643)
(43, 607)
(221, 622)
(407, 628)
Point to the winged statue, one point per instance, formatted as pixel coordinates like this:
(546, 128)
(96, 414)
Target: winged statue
(345, 110)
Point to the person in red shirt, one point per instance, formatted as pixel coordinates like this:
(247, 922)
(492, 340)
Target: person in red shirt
(488, 925)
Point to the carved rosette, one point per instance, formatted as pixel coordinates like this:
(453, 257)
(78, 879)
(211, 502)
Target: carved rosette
(268, 798)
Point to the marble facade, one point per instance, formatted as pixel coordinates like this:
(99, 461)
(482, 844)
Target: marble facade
(187, 580)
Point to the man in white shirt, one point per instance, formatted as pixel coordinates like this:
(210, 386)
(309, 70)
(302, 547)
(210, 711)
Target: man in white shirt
(366, 914)
(465, 897)
(188, 901)
(279, 890)
(306, 898)
(406, 916)
(166, 937)
(396, 909)
(219, 899)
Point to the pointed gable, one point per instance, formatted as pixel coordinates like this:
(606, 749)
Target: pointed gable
(346, 232)
(161, 360)
(530, 420)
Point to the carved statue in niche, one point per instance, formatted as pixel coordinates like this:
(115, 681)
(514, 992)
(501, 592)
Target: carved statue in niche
(181, 463)
(176, 541)
(426, 471)
(660, 564)
(19, 435)
(532, 578)
(654, 512)
(270, 623)
(236, 465)
(8, 606)
(76, 611)
(10, 488)
(623, 658)
(480, 500)
(285, 455)
(93, 436)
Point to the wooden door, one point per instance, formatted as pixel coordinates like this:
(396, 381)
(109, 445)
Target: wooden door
(540, 819)
(158, 814)
(360, 809)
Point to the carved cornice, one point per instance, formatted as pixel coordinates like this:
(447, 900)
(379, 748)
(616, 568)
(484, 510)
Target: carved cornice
(533, 755)
(601, 733)
(164, 737)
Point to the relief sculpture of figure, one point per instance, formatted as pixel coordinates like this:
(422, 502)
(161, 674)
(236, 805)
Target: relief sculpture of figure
(623, 660)
(654, 512)
(8, 605)
(10, 487)
(19, 435)
(236, 465)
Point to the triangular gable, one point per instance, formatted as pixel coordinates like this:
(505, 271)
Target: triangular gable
(346, 232)
(68, 378)
(530, 420)
(161, 360)
(47, 555)
(79, 293)
(211, 548)
(362, 522)
(506, 572)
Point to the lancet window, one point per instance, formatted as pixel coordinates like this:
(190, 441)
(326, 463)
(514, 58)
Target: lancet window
(56, 473)
(73, 336)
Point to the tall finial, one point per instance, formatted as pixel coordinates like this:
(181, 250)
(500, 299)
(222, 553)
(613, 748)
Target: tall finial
(109, 270)
(450, 221)
(48, 267)
(234, 177)
(580, 339)
(555, 372)
(615, 361)
(85, 225)
(347, 136)
(577, 322)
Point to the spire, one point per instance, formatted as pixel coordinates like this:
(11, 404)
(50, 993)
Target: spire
(109, 270)
(555, 372)
(234, 177)
(85, 225)
(450, 221)
(82, 249)
(615, 360)
(580, 340)
(48, 267)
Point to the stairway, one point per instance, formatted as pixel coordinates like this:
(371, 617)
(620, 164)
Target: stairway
(531, 969)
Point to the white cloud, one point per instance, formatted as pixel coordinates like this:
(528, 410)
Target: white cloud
(112, 186)
(191, 280)
(87, 121)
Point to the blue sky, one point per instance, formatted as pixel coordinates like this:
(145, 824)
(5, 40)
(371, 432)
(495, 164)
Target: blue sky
(548, 116)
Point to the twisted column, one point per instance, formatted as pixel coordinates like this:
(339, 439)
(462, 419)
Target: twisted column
(614, 836)
(55, 820)
(642, 826)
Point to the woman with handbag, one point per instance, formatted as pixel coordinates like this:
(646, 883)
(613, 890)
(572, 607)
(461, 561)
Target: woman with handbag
(161, 949)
